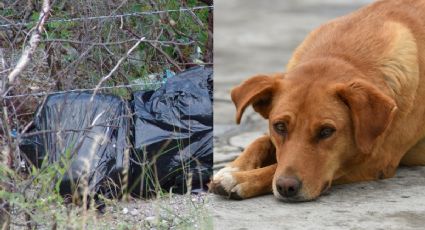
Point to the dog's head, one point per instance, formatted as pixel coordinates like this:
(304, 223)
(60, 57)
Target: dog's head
(319, 125)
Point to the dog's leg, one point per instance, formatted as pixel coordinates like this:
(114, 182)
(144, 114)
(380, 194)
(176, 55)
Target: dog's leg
(369, 171)
(375, 171)
(415, 156)
(258, 155)
(244, 184)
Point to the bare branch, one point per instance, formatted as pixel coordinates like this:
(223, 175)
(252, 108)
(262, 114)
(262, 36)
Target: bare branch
(155, 46)
(166, 56)
(115, 67)
(117, 43)
(33, 43)
(4, 69)
(7, 150)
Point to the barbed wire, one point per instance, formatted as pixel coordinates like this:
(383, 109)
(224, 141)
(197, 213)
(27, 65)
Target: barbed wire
(110, 16)
(142, 85)
(39, 94)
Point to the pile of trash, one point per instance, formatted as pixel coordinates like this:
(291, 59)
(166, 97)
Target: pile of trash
(160, 140)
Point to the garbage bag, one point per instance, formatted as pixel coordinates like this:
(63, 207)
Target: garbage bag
(173, 135)
(87, 138)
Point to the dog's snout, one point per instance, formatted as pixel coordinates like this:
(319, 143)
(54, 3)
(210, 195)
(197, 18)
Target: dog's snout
(288, 186)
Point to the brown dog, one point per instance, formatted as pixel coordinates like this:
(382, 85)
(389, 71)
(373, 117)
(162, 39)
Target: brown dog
(350, 108)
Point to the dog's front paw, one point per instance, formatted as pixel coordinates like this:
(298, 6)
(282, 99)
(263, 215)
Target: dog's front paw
(224, 183)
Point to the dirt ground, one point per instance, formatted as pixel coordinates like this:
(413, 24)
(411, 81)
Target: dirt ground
(253, 37)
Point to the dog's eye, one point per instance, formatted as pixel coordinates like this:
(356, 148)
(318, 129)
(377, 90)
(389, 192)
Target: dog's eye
(325, 132)
(280, 128)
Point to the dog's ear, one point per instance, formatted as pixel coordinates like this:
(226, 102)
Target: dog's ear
(371, 111)
(258, 91)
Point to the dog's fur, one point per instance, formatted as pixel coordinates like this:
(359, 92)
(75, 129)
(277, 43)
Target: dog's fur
(362, 75)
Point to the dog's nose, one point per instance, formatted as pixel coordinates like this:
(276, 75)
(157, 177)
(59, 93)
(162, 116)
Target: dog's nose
(288, 186)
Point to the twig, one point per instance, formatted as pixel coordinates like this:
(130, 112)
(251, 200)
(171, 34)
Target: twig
(109, 16)
(33, 43)
(197, 20)
(4, 70)
(115, 67)
(154, 45)
(208, 2)
(85, 90)
(11, 23)
(166, 56)
(116, 43)
(74, 62)
(7, 150)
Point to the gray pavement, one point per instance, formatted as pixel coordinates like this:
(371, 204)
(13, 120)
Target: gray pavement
(396, 203)
(250, 37)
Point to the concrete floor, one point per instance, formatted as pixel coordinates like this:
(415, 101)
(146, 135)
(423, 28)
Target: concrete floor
(251, 37)
(397, 203)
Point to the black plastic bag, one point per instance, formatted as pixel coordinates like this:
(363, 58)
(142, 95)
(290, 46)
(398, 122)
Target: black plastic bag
(173, 134)
(87, 138)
